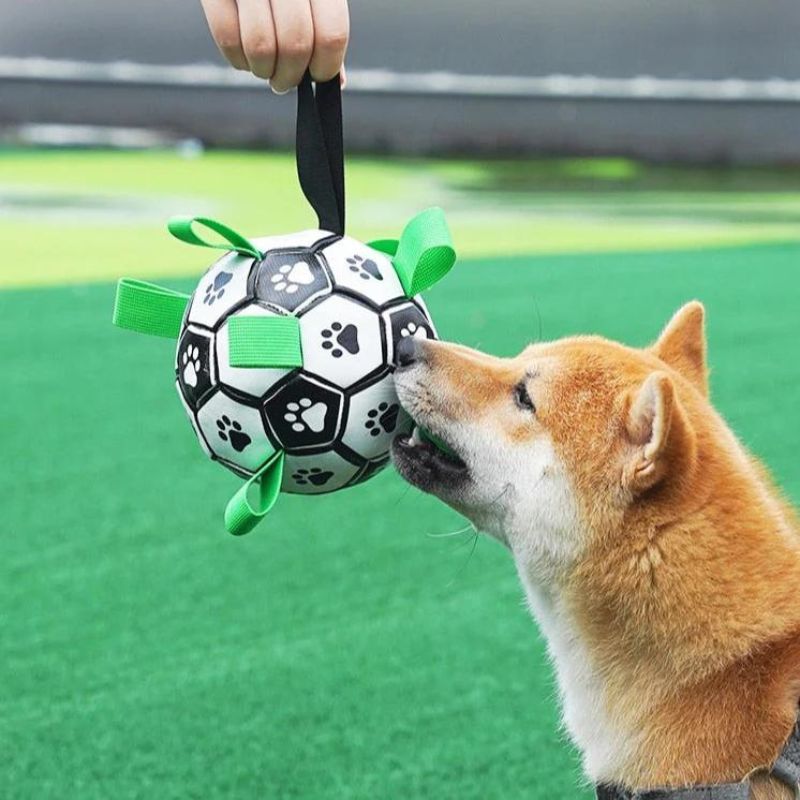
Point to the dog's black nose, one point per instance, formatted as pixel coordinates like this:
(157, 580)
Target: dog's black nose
(406, 352)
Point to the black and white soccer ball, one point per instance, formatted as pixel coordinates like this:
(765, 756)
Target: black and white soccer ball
(335, 416)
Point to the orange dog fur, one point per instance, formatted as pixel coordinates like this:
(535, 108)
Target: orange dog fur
(662, 564)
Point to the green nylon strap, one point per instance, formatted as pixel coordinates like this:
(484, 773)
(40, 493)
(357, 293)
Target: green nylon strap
(388, 246)
(255, 499)
(147, 308)
(264, 342)
(181, 228)
(425, 252)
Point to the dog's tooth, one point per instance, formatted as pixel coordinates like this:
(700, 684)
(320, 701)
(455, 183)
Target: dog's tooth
(415, 438)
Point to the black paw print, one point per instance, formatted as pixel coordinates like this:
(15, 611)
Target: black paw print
(314, 475)
(216, 288)
(383, 417)
(346, 337)
(231, 430)
(365, 267)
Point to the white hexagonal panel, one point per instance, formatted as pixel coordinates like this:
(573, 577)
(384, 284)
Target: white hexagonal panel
(220, 289)
(341, 341)
(374, 419)
(317, 474)
(360, 269)
(194, 365)
(255, 382)
(404, 320)
(235, 432)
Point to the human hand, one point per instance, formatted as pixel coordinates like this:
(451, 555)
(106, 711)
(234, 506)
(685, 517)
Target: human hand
(279, 39)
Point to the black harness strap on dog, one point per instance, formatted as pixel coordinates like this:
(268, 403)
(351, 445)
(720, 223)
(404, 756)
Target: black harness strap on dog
(722, 791)
(787, 766)
(786, 769)
(320, 150)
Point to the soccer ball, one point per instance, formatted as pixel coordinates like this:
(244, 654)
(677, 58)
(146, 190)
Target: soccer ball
(334, 417)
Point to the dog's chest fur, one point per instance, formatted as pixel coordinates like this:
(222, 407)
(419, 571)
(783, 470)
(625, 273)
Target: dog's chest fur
(604, 746)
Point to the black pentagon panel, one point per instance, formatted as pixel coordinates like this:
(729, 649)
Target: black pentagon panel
(370, 470)
(290, 279)
(304, 414)
(195, 366)
(403, 321)
(408, 320)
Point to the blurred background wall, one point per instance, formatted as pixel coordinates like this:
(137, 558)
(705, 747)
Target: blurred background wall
(715, 81)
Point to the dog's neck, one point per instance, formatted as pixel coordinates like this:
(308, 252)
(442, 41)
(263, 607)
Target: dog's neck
(678, 661)
(605, 746)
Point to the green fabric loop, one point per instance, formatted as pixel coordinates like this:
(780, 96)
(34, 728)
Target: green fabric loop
(181, 228)
(147, 308)
(425, 252)
(388, 246)
(255, 499)
(264, 342)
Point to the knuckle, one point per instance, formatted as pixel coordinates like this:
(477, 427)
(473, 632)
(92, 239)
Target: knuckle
(227, 37)
(332, 41)
(297, 47)
(260, 49)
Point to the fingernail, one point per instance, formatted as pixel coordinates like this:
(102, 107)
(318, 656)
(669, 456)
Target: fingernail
(279, 91)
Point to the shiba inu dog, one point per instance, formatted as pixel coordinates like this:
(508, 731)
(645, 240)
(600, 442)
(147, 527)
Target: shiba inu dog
(660, 562)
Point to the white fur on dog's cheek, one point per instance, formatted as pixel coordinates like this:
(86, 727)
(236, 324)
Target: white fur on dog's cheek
(524, 497)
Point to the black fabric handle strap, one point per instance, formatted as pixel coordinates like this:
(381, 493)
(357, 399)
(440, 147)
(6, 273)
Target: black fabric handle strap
(320, 150)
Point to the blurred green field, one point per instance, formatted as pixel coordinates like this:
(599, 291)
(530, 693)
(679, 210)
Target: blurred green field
(341, 650)
(87, 216)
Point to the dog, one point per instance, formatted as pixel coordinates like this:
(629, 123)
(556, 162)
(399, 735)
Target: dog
(661, 563)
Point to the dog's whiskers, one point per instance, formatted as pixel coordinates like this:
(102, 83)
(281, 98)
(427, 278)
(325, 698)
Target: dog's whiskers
(469, 526)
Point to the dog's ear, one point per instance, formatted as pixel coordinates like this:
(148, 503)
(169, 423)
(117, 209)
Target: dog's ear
(682, 345)
(658, 436)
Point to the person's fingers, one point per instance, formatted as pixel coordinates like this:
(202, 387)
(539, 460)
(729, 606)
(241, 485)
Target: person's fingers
(331, 33)
(258, 36)
(294, 31)
(223, 22)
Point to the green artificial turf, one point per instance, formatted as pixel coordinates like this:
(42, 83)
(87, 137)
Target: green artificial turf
(73, 217)
(339, 651)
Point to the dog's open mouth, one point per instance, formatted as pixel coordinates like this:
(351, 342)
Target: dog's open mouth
(427, 461)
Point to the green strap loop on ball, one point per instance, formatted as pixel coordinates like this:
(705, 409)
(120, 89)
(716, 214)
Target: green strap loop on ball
(255, 499)
(425, 252)
(146, 308)
(264, 342)
(181, 228)
(388, 246)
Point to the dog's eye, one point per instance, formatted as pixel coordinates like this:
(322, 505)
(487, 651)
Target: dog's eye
(522, 398)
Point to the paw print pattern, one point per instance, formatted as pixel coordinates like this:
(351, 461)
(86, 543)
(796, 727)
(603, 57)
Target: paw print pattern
(365, 268)
(339, 338)
(412, 329)
(382, 419)
(191, 365)
(231, 431)
(216, 288)
(305, 415)
(315, 476)
(290, 277)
